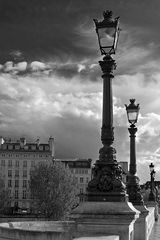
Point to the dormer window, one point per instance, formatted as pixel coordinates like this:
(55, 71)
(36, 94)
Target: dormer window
(10, 147)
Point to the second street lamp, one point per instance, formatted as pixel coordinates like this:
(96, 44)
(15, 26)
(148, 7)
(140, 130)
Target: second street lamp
(133, 187)
(152, 184)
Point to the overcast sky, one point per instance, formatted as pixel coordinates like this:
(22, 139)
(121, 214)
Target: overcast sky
(50, 80)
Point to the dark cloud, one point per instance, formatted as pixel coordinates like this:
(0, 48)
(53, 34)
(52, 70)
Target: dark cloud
(49, 29)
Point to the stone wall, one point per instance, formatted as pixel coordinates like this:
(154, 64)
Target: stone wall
(43, 230)
(150, 220)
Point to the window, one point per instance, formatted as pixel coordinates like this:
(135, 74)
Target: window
(9, 183)
(33, 147)
(2, 162)
(4, 146)
(24, 173)
(16, 194)
(9, 163)
(87, 180)
(24, 163)
(81, 179)
(9, 193)
(81, 190)
(24, 194)
(26, 147)
(17, 147)
(10, 147)
(86, 171)
(81, 198)
(16, 183)
(16, 204)
(24, 183)
(17, 163)
(41, 148)
(33, 164)
(76, 179)
(9, 173)
(16, 173)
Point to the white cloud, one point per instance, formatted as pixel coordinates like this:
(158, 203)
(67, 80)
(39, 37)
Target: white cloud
(36, 66)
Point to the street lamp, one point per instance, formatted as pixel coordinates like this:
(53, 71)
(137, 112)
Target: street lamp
(133, 187)
(108, 33)
(106, 184)
(152, 184)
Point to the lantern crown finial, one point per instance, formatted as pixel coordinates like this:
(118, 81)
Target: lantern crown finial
(132, 100)
(107, 15)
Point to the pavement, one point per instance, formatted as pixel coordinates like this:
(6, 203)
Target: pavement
(155, 234)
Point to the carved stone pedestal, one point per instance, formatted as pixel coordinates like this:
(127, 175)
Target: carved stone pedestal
(105, 218)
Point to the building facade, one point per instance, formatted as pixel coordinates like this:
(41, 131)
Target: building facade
(17, 159)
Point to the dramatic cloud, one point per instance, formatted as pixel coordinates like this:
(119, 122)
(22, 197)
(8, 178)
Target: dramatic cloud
(51, 80)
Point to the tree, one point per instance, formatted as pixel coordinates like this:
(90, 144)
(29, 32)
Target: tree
(53, 190)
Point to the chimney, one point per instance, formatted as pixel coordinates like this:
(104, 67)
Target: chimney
(22, 142)
(38, 141)
(1, 140)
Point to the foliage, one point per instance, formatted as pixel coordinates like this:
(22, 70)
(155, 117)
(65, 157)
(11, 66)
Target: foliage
(53, 190)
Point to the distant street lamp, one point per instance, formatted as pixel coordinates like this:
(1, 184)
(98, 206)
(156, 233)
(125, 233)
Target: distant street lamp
(106, 184)
(152, 196)
(133, 187)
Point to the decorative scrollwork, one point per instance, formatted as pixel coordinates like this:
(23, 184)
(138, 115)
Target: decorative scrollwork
(107, 178)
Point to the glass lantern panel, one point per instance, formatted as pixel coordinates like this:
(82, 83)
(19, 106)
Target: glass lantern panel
(106, 36)
(132, 116)
(151, 166)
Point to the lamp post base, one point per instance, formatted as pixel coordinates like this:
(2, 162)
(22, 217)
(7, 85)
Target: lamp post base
(106, 184)
(133, 190)
(151, 197)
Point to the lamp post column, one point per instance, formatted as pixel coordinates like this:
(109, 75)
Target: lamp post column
(107, 133)
(133, 187)
(151, 194)
(107, 184)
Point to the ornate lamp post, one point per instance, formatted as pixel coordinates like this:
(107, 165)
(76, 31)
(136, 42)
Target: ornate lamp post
(106, 210)
(133, 187)
(106, 184)
(152, 196)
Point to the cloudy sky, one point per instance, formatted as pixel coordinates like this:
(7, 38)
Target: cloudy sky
(51, 81)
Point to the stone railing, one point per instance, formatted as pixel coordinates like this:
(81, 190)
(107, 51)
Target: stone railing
(43, 230)
(70, 230)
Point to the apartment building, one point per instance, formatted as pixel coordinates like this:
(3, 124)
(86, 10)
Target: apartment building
(17, 159)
